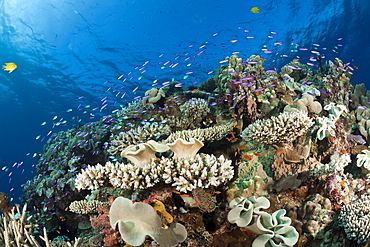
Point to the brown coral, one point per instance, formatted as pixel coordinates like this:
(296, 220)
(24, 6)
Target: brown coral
(5, 205)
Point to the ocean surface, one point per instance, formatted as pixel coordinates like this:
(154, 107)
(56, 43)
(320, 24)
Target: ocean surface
(81, 60)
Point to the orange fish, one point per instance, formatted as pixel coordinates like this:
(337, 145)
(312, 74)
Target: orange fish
(295, 60)
(217, 192)
(196, 203)
(280, 151)
(185, 195)
(175, 191)
(247, 157)
(257, 154)
(194, 90)
(239, 127)
(258, 93)
(242, 148)
(149, 103)
(295, 103)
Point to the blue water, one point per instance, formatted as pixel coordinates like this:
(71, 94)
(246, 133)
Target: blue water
(70, 55)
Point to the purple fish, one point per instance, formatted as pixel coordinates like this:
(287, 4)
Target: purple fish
(322, 91)
(361, 107)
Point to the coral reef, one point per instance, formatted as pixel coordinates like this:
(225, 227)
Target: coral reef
(297, 141)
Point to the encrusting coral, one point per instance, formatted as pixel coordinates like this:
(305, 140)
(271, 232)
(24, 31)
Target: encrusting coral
(355, 219)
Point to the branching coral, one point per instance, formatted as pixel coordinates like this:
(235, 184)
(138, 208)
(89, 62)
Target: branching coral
(284, 128)
(202, 170)
(133, 109)
(138, 135)
(84, 206)
(193, 111)
(214, 133)
(336, 164)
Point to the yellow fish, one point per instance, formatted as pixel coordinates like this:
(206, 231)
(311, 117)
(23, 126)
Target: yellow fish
(9, 67)
(255, 10)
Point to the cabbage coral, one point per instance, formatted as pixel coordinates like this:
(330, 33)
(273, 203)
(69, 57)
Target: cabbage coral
(363, 159)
